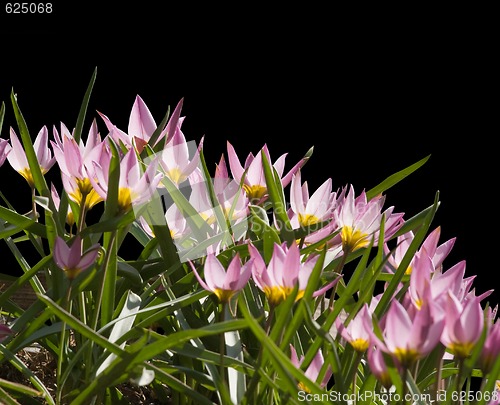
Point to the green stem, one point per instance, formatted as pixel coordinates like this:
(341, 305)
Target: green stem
(83, 212)
(405, 377)
(222, 344)
(63, 349)
(359, 355)
(256, 376)
(458, 381)
(98, 302)
(338, 270)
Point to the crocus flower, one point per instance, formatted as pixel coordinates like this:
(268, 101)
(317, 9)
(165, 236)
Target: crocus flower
(308, 210)
(355, 333)
(224, 284)
(76, 162)
(378, 366)
(285, 270)
(313, 369)
(134, 186)
(141, 126)
(430, 245)
(491, 348)
(408, 338)
(175, 221)
(175, 159)
(463, 327)
(5, 148)
(71, 259)
(230, 196)
(360, 220)
(17, 156)
(254, 182)
(425, 275)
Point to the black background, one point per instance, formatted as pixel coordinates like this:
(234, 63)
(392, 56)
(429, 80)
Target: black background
(373, 92)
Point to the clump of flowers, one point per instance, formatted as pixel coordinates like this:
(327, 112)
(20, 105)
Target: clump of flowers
(248, 286)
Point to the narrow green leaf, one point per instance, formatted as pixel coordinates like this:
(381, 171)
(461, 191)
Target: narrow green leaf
(23, 389)
(80, 327)
(277, 198)
(20, 223)
(6, 397)
(111, 204)
(83, 109)
(127, 318)
(289, 374)
(395, 178)
(2, 115)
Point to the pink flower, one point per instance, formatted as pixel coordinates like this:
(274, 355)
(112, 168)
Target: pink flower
(355, 333)
(313, 370)
(5, 148)
(309, 210)
(378, 366)
(17, 156)
(408, 338)
(285, 270)
(463, 327)
(254, 182)
(76, 162)
(430, 245)
(70, 259)
(491, 348)
(360, 220)
(224, 284)
(135, 187)
(175, 159)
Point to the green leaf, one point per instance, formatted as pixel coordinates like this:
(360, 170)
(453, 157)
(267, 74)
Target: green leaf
(2, 115)
(395, 178)
(19, 223)
(277, 198)
(83, 109)
(289, 375)
(126, 320)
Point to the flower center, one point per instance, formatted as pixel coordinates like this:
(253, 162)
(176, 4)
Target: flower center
(255, 192)
(353, 239)
(308, 219)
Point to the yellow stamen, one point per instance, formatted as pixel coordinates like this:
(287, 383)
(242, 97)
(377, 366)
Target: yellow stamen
(461, 350)
(176, 175)
(224, 295)
(360, 345)
(84, 188)
(406, 356)
(302, 387)
(72, 273)
(353, 239)
(125, 197)
(275, 295)
(255, 192)
(308, 219)
(26, 173)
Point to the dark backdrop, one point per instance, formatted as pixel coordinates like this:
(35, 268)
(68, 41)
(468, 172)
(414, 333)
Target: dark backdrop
(371, 99)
